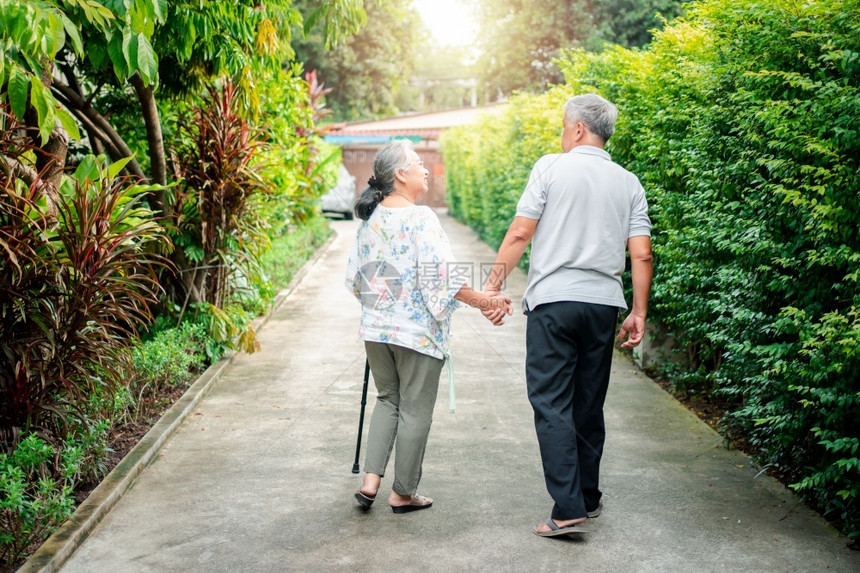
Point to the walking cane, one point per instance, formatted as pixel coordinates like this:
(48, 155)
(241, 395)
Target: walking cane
(361, 417)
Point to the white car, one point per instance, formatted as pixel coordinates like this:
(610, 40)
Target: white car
(340, 199)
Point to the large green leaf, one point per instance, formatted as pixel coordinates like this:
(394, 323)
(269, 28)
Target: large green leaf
(19, 80)
(43, 102)
(129, 48)
(68, 123)
(97, 52)
(160, 9)
(73, 33)
(88, 170)
(54, 41)
(146, 62)
(117, 51)
(142, 17)
(117, 166)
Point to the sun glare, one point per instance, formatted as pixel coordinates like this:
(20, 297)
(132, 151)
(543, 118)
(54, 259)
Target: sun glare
(450, 21)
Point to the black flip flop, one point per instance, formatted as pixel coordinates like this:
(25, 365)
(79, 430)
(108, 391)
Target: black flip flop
(410, 506)
(365, 500)
(555, 530)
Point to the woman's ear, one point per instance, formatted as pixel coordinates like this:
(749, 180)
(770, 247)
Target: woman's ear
(400, 175)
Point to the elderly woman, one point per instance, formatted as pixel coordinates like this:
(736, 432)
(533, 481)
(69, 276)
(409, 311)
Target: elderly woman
(399, 271)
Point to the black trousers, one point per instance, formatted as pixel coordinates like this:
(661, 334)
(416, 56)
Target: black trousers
(569, 357)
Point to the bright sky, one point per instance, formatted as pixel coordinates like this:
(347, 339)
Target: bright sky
(449, 21)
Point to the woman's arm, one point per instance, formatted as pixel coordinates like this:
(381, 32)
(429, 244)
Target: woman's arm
(484, 302)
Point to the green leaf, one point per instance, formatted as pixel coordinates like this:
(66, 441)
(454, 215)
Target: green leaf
(88, 169)
(68, 123)
(116, 51)
(57, 38)
(18, 82)
(146, 62)
(97, 52)
(43, 102)
(117, 166)
(313, 19)
(73, 33)
(160, 10)
(129, 48)
(142, 17)
(118, 7)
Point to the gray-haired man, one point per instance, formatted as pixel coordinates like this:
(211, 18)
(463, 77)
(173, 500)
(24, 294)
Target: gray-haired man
(581, 211)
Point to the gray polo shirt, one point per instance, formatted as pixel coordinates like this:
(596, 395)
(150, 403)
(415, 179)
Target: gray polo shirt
(587, 207)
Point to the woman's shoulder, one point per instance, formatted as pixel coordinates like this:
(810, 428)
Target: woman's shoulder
(425, 214)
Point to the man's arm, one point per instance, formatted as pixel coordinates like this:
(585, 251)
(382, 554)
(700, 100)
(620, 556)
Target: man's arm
(516, 240)
(642, 271)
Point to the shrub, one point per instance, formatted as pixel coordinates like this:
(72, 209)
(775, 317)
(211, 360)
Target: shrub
(288, 253)
(74, 290)
(170, 358)
(32, 502)
(215, 224)
(741, 121)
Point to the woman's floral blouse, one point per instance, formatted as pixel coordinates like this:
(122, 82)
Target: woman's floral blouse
(400, 271)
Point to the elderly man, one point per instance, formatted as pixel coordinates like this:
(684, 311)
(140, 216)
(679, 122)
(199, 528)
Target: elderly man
(580, 210)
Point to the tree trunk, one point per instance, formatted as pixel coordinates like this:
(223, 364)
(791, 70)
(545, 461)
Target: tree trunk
(154, 140)
(97, 140)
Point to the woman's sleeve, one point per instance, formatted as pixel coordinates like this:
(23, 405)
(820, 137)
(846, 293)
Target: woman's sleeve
(352, 281)
(439, 275)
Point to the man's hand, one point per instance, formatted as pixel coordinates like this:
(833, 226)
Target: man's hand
(633, 328)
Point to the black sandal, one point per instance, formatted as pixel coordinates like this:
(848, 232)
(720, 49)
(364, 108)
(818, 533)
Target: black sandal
(365, 500)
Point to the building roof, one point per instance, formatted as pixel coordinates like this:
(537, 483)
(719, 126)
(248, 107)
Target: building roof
(417, 126)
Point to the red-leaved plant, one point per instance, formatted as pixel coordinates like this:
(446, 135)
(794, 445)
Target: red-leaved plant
(219, 234)
(73, 289)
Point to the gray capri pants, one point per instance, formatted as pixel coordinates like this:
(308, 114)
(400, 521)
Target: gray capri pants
(407, 382)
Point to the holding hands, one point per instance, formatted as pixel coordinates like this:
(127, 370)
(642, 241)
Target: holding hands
(501, 306)
(492, 304)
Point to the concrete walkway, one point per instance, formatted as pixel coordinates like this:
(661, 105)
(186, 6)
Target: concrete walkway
(258, 479)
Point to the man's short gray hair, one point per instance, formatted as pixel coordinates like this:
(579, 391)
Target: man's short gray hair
(596, 113)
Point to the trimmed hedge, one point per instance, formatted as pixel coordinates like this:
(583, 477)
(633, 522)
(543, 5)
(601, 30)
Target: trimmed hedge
(743, 123)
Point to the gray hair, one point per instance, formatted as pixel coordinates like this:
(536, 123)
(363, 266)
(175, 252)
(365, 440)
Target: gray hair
(596, 113)
(389, 160)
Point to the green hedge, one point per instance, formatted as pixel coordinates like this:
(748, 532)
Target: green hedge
(742, 123)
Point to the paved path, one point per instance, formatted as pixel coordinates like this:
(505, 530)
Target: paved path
(258, 479)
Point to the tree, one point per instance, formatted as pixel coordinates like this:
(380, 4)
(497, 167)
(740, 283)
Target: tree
(141, 45)
(629, 23)
(443, 78)
(136, 50)
(369, 70)
(35, 35)
(520, 40)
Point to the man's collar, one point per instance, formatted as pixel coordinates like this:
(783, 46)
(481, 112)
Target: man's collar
(591, 150)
